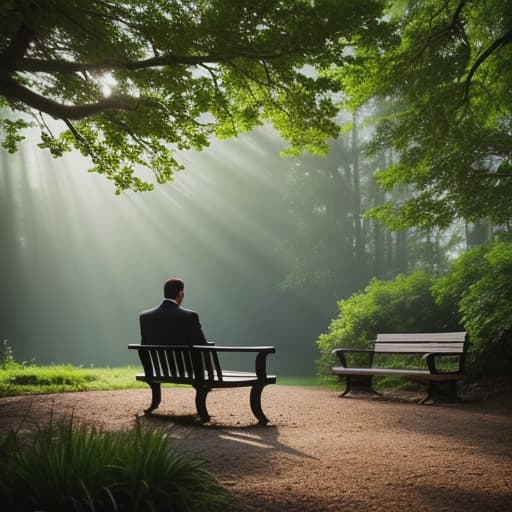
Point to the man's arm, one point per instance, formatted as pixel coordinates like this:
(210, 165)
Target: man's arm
(196, 332)
(142, 330)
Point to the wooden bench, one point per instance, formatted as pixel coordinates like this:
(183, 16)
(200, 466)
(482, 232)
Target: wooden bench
(431, 346)
(199, 366)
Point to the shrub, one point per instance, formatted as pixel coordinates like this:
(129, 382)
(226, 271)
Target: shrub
(405, 304)
(479, 287)
(475, 296)
(62, 467)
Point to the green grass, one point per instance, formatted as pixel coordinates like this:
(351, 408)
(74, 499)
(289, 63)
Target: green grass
(300, 381)
(18, 379)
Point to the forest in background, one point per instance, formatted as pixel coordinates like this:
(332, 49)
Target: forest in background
(405, 103)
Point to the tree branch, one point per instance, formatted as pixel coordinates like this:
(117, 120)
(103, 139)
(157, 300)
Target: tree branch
(66, 66)
(76, 134)
(454, 24)
(502, 41)
(458, 10)
(14, 91)
(17, 47)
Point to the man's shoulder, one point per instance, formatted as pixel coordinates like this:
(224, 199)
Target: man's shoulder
(151, 311)
(188, 312)
(147, 312)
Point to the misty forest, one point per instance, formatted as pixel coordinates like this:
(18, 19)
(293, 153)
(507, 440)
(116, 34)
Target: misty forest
(279, 162)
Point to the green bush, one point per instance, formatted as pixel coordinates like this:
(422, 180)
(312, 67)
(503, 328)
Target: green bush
(62, 467)
(479, 289)
(405, 304)
(475, 296)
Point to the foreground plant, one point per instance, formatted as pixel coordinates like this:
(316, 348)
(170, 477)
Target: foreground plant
(65, 467)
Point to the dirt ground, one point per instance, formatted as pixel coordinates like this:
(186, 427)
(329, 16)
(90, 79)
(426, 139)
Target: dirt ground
(320, 452)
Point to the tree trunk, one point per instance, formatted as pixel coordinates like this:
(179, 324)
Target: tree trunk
(358, 235)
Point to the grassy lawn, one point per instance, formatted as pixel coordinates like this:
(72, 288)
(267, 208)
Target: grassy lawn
(17, 379)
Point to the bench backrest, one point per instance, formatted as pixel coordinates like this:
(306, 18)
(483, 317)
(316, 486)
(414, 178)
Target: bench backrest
(418, 343)
(180, 363)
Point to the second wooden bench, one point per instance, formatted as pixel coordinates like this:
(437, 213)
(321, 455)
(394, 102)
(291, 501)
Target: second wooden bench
(431, 346)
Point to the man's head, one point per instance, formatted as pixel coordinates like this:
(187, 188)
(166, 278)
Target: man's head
(174, 289)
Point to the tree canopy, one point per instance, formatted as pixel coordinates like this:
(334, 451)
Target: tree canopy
(135, 80)
(444, 82)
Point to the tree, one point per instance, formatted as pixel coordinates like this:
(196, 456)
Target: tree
(446, 77)
(135, 80)
(478, 288)
(328, 245)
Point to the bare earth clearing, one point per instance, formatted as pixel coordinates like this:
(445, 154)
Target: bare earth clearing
(321, 453)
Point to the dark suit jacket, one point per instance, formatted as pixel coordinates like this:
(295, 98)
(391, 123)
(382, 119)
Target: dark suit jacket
(170, 324)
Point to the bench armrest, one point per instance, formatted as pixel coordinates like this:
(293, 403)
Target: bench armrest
(218, 348)
(340, 354)
(335, 350)
(431, 360)
(260, 363)
(209, 348)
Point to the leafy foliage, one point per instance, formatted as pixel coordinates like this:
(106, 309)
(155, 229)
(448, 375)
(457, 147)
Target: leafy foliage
(480, 288)
(65, 467)
(475, 295)
(445, 77)
(135, 80)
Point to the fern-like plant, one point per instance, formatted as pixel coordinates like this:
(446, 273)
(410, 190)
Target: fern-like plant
(66, 467)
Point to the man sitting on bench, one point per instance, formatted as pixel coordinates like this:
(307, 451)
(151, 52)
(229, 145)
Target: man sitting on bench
(174, 350)
(169, 323)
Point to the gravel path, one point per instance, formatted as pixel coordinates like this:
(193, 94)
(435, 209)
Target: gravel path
(321, 453)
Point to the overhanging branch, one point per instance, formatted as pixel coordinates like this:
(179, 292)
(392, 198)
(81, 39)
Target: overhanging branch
(66, 66)
(502, 41)
(14, 91)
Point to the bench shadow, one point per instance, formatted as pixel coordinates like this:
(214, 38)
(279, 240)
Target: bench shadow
(229, 449)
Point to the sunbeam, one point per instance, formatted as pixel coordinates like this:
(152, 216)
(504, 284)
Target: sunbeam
(81, 263)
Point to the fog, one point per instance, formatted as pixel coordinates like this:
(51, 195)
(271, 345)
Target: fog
(79, 263)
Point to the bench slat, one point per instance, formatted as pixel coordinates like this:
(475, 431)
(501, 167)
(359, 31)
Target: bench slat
(171, 363)
(419, 347)
(422, 337)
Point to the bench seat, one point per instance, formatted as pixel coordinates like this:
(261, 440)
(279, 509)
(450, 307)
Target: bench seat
(397, 372)
(229, 379)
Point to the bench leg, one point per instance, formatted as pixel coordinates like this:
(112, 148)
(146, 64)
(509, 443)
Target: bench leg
(441, 391)
(202, 411)
(348, 386)
(359, 383)
(156, 396)
(256, 404)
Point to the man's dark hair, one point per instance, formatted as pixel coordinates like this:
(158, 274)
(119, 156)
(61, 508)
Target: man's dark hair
(172, 287)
